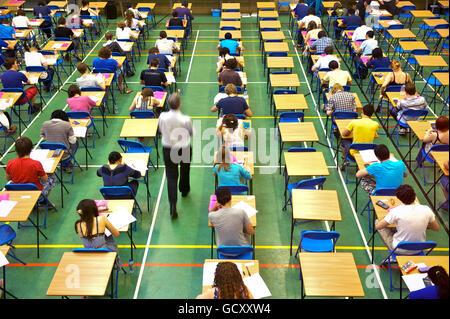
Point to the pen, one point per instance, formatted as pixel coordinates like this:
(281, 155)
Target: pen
(248, 271)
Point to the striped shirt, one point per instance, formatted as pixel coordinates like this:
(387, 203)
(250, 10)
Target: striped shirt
(410, 103)
(58, 131)
(321, 44)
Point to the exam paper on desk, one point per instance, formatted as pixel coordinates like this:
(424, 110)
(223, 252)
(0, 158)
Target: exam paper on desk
(119, 219)
(6, 206)
(3, 260)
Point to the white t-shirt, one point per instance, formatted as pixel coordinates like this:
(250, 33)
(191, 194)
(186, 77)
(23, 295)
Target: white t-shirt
(123, 34)
(307, 19)
(20, 22)
(34, 59)
(166, 46)
(219, 96)
(324, 61)
(412, 222)
(337, 76)
(368, 45)
(360, 33)
(134, 24)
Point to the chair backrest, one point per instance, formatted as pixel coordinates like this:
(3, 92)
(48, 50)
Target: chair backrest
(268, 19)
(420, 52)
(240, 116)
(441, 26)
(384, 192)
(142, 114)
(16, 90)
(277, 54)
(238, 88)
(236, 148)
(236, 189)
(415, 113)
(439, 148)
(175, 27)
(235, 252)
(396, 27)
(393, 88)
(39, 68)
(273, 40)
(163, 69)
(408, 8)
(53, 146)
(284, 91)
(346, 88)
(281, 72)
(228, 28)
(344, 115)
(61, 39)
(381, 70)
(7, 234)
(320, 234)
(130, 146)
(310, 183)
(21, 187)
(101, 70)
(301, 149)
(154, 88)
(78, 115)
(144, 9)
(416, 245)
(268, 29)
(362, 146)
(111, 191)
(91, 89)
(91, 250)
(299, 116)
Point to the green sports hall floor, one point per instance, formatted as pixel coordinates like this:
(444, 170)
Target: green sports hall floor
(173, 251)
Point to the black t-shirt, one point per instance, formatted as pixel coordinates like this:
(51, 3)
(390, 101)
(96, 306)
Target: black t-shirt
(175, 22)
(63, 32)
(153, 77)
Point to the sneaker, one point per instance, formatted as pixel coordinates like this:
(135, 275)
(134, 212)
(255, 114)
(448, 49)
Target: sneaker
(443, 207)
(12, 130)
(342, 167)
(68, 170)
(402, 131)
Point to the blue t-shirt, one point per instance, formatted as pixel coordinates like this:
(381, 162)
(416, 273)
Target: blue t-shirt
(13, 79)
(301, 11)
(430, 292)
(232, 104)
(109, 64)
(231, 44)
(384, 62)
(164, 62)
(388, 174)
(352, 20)
(6, 31)
(44, 11)
(233, 176)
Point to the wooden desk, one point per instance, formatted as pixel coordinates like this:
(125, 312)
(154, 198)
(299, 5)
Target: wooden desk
(22, 33)
(329, 4)
(13, 4)
(280, 62)
(441, 158)
(329, 275)
(434, 22)
(94, 270)
(231, 6)
(265, 5)
(97, 5)
(387, 23)
(285, 102)
(420, 127)
(430, 261)
(272, 35)
(268, 14)
(284, 80)
(269, 24)
(408, 46)
(146, 5)
(177, 34)
(276, 47)
(97, 95)
(36, 22)
(139, 128)
(231, 15)
(422, 13)
(430, 61)
(442, 32)
(401, 4)
(254, 269)
(401, 34)
(50, 45)
(445, 5)
(9, 98)
(380, 213)
(234, 24)
(178, 4)
(59, 4)
(342, 125)
(235, 34)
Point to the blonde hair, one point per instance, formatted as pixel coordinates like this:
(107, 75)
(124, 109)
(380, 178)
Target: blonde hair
(223, 158)
(230, 88)
(336, 87)
(395, 65)
(121, 24)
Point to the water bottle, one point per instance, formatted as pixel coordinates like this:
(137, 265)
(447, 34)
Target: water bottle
(131, 265)
(245, 95)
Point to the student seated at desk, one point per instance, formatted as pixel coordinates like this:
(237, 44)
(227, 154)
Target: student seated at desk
(321, 43)
(123, 32)
(165, 45)
(153, 76)
(434, 136)
(377, 60)
(228, 284)
(340, 100)
(164, 62)
(388, 174)
(231, 44)
(6, 30)
(360, 32)
(364, 131)
(175, 21)
(230, 132)
(445, 188)
(229, 173)
(145, 101)
(116, 173)
(85, 9)
(304, 22)
(131, 22)
(324, 61)
(40, 11)
(300, 10)
(412, 101)
(397, 77)
(439, 277)
(115, 47)
(336, 75)
(312, 32)
(21, 21)
(91, 228)
(233, 103)
(368, 45)
(78, 102)
(229, 75)
(224, 55)
(35, 58)
(24, 169)
(184, 10)
(412, 221)
(232, 225)
(135, 11)
(88, 79)
(349, 20)
(62, 31)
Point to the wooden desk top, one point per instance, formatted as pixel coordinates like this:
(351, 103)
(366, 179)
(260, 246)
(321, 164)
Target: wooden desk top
(290, 102)
(442, 32)
(330, 275)
(299, 164)
(13, 4)
(408, 46)
(178, 34)
(265, 5)
(231, 6)
(178, 4)
(357, 100)
(387, 23)
(422, 13)
(248, 158)
(435, 22)
(284, 80)
(298, 132)
(342, 124)
(130, 158)
(311, 204)
(268, 14)
(249, 199)
(107, 78)
(231, 15)
(139, 128)
(235, 34)
(150, 5)
(254, 268)
(121, 59)
(235, 24)
(270, 24)
(161, 101)
(50, 44)
(401, 4)
(99, 5)
(420, 127)
(60, 4)
(100, 95)
(401, 34)
(441, 158)
(94, 270)
(430, 261)
(276, 47)
(11, 97)
(25, 204)
(36, 22)
(394, 97)
(329, 4)
(22, 33)
(272, 35)
(55, 162)
(280, 62)
(445, 4)
(4, 249)
(430, 60)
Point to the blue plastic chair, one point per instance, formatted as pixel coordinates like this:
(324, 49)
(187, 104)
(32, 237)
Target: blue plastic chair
(291, 117)
(235, 252)
(135, 147)
(340, 115)
(427, 246)
(277, 54)
(27, 101)
(238, 148)
(228, 29)
(313, 183)
(433, 81)
(142, 114)
(428, 158)
(149, 17)
(154, 88)
(115, 192)
(236, 189)
(84, 115)
(356, 147)
(7, 235)
(317, 241)
(43, 201)
(69, 162)
(239, 89)
(408, 113)
(369, 207)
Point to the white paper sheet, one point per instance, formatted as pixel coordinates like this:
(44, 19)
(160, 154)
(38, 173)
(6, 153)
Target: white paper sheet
(50, 61)
(257, 286)
(119, 219)
(208, 273)
(95, 98)
(138, 165)
(5, 104)
(249, 210)
(415, 281)
(3, 260)
(39, 155)
(368, 156)
(170, 78)
(6, 207)
(48, 164)
(79, 131)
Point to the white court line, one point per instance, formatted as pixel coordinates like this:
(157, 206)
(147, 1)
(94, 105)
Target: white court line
(375, 270)
(192, 57)
(147, 246)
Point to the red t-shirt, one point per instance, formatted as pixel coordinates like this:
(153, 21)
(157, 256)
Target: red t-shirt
(25, 170)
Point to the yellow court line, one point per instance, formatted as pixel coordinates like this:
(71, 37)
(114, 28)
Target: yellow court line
(201, 117)
(207, 246)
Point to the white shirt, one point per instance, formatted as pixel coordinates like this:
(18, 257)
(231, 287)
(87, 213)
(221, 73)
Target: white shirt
(34, 59)
(123, 34)
(20, 22)
(166, 46)
(307, 19)
(412, 222)
(368, 45)
(219, 96)
(324, 61)
(176, 129)
(360, 33)
(134, 24)
(4, 120)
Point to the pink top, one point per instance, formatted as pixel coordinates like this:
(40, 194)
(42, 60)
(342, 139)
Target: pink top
(80, 103)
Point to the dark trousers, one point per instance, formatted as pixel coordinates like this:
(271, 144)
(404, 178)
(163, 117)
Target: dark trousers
(173, 158)
(390, 6)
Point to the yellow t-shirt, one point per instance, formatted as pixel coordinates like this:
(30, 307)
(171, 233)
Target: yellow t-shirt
(364, 131)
